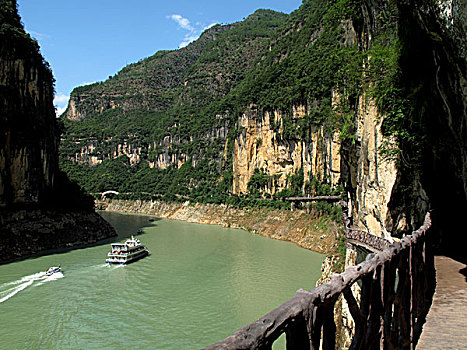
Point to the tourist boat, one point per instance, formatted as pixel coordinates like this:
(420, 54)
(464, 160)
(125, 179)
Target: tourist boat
(51, 270)
(128, 252)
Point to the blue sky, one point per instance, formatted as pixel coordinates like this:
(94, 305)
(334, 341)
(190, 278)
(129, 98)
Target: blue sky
(89, 40)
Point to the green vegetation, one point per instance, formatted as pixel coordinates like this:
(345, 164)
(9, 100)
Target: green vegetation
(339, 255)
(309, 61)
(15, 42)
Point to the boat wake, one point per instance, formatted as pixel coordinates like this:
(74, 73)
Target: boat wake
(10, 289)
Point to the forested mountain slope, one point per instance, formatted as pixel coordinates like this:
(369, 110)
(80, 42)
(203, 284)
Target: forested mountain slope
(362, 96)
(164, 112)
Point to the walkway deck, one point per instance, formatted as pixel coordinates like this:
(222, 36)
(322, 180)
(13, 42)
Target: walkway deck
(446, 325)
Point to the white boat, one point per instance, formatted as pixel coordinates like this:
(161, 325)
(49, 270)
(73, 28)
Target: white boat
(54, 269)
(128, 252)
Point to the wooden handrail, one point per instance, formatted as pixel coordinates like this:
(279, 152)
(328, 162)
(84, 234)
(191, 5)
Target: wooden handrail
(397, 286)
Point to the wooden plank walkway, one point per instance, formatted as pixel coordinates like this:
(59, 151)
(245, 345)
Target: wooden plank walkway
(446, 325)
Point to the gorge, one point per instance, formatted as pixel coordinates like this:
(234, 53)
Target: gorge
(366, 99)
(362, 99)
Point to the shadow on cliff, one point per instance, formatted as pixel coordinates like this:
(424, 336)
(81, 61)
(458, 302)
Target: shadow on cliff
(433, 72)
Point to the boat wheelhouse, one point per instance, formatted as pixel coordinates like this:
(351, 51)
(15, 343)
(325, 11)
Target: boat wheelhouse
(128, 252)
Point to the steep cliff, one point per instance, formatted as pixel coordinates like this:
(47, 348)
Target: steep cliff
(434, 75)
(28, 155)
(39, 207)
(261, 148)
(409, 153)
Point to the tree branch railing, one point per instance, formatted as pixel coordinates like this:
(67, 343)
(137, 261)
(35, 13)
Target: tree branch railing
(360, 236)
(397, 286)
(366, 238)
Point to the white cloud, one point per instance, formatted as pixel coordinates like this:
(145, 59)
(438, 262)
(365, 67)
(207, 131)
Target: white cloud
(61, 99)
(182, 22)
(38, 36)
(60, 103)
(193, 31)
(188, 39)
(59, 111)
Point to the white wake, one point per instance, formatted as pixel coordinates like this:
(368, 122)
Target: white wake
(10, 289)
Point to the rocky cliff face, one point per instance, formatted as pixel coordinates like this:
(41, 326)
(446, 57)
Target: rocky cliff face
(434, 65)
(29, 174)
(371, 176)
(29, 144)
(261, 145)
(391, 194)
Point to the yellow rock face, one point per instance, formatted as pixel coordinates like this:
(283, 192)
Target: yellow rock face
(375, 176)
(260, 146)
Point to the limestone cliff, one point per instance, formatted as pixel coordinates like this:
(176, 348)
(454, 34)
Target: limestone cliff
(261, 145)
(371, 175)
(390, 192)
(39, 207)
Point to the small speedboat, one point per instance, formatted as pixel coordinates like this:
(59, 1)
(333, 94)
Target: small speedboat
(54, 269)
(139, 232)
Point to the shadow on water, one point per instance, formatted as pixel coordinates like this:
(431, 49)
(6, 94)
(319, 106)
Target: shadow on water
(127, 225)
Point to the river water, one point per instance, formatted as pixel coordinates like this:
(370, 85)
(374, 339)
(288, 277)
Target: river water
(199, 285)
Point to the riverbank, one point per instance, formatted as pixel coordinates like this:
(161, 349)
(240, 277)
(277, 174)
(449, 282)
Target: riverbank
(308, 230)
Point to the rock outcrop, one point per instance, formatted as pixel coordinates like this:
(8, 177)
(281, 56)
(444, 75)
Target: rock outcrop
(261, 145)
(371, 175)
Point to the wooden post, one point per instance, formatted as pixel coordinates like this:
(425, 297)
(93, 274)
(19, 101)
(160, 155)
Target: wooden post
(316, 323)
(329, 328)
(297, 336)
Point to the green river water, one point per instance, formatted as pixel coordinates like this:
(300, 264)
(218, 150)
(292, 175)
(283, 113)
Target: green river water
(200, 284)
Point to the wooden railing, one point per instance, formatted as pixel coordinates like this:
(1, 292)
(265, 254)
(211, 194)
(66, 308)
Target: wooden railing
(397, 287)
(367, 239)
(355, 235)
(314, 199)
